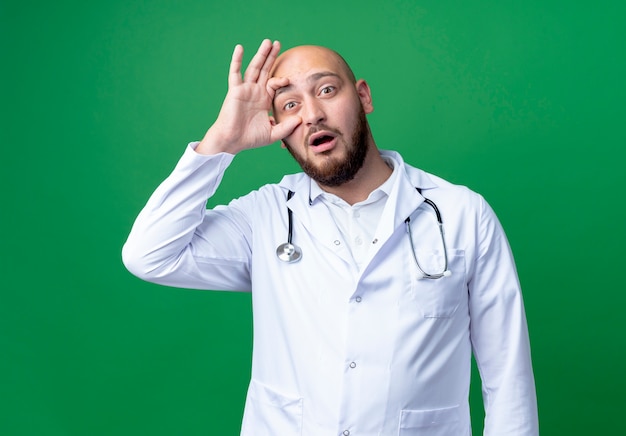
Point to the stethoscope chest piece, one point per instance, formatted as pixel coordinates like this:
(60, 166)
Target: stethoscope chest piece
(288, 252)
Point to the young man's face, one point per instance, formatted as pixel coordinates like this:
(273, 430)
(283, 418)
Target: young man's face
(332, 141)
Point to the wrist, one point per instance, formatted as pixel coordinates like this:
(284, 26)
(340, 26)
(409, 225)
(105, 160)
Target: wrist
(213, 143)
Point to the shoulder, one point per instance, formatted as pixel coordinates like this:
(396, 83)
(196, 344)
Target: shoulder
(433, 185)
(276, 192)
(458, 202)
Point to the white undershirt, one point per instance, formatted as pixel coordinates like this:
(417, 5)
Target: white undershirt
(358, 222)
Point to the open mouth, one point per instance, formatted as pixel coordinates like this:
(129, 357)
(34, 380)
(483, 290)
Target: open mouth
(321, 137)
(324, 139)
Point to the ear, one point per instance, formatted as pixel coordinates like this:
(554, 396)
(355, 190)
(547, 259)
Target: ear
(365, 95)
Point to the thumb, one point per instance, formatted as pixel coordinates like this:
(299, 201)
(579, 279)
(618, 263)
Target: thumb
(284, 128)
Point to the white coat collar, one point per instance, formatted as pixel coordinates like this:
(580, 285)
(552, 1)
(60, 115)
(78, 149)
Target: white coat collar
(403, 200)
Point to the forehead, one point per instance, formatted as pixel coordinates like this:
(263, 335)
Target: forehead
(306, 60)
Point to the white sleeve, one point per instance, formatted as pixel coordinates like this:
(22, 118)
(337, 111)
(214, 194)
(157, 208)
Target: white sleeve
(175, 241)
(500, 335)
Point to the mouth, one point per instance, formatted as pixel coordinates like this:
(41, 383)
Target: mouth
(322, 141)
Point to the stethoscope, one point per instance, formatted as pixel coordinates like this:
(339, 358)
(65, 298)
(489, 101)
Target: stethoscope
(289, 252)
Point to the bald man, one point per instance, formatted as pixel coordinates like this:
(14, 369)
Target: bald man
(366, 313)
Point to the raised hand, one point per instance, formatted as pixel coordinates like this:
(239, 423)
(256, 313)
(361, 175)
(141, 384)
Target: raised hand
(244, 121)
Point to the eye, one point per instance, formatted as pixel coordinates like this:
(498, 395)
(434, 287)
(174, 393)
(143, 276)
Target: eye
(327, 90)
(289, 105)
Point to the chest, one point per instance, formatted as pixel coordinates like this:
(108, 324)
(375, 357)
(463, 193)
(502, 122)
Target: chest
(328, 277)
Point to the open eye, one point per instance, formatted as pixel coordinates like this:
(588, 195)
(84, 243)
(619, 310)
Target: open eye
(327, 89)
(289, 105)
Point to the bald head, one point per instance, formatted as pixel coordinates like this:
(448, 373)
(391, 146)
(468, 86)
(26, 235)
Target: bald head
(301, 58)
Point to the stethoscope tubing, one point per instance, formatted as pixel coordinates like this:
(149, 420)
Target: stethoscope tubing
(290, 218)
(289, 252)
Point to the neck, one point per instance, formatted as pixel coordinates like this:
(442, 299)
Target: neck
(372, 174)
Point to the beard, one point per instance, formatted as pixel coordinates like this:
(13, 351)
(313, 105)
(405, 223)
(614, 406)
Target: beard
(337, 171)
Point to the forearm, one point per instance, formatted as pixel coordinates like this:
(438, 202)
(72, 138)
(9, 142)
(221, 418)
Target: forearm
(172, 242)
(502, 352)
(164, 230)
(500, 336)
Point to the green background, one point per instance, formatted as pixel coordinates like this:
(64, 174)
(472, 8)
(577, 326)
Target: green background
(521, 101)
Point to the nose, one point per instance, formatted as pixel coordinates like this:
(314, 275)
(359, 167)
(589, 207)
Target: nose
(312, 112)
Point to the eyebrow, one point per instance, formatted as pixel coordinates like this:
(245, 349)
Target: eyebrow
(311, 79)
(316, 76)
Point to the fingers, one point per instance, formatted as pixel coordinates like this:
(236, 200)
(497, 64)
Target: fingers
(260, 65)
(274, 84)
(285, 128)
(259, 68)
(269, 62)
(234, 73)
